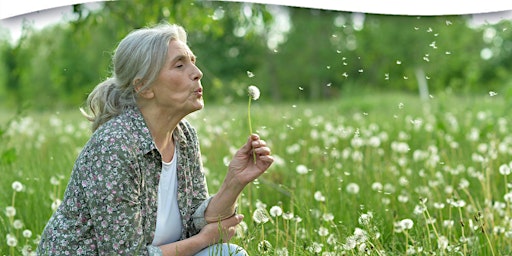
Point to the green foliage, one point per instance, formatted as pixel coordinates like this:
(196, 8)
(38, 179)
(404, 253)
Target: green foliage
(448, 150)
(323, 55)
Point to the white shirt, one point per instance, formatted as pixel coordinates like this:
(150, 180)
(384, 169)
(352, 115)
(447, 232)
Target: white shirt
(168, 218)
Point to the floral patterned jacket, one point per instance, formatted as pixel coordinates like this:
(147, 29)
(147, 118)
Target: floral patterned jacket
(110, 203)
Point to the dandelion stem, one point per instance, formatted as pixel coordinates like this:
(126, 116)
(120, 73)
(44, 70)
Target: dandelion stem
(250, 125)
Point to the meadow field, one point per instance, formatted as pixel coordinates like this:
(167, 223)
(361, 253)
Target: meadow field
(372, 174)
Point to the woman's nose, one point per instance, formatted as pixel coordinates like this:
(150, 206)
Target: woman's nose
(197, 74)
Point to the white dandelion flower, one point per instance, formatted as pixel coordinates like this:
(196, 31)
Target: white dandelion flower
(407, 223)
(504, 169)
(17, 186)
(264, 246)
(319, 197)
(288, 216)
(322, 231)
(17, 224)
(301, 169)
(276, 211)
(260, 216)
(10, 211)
(353, 188)
(11, 240)
(254, 92)
(27, 233)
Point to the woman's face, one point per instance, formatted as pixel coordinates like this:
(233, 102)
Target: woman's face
(178, 86)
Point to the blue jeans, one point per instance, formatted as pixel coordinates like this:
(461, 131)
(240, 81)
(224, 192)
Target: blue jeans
(224, 249)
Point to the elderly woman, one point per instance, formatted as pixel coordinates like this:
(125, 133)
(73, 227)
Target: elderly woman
(137, 187)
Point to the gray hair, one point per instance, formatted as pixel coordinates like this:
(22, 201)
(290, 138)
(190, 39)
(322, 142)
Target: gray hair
(137, 59)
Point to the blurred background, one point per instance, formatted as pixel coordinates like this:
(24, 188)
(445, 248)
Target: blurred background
(291, 54)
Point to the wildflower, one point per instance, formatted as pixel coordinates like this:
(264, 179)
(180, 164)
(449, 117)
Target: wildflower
(282, 251)
(508, 197)
(254, 92)
(11, 240)
(407, 223)
(264, 246)
(419, 209)
(504, 169)
(315, 247)
(288, 216)
(448, 223)
(54, 181)
(353, 188)
(377, 186)
(27, 233)
(17, 186)
(323, 231)
(260, 216)
(319, 197)
(276, 211)
(350, 243)
(442, 243)
(328, 216)
(17, 224)
(301, 169)
(365, 218)
(10, 211)
(56, 204)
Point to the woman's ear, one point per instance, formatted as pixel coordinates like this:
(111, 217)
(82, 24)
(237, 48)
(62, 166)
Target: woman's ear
(146, 93)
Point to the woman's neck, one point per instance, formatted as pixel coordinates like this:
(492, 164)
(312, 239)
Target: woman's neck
(161, 126)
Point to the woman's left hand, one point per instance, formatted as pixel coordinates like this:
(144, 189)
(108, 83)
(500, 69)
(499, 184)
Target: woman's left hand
(243, 168)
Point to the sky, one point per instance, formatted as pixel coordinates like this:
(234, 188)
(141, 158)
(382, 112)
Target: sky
(43, 13)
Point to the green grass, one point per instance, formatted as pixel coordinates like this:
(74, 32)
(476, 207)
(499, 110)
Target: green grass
(389, 156)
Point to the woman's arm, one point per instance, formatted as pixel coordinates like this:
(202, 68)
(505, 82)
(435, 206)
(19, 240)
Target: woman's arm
(211, 234)
(242, 170)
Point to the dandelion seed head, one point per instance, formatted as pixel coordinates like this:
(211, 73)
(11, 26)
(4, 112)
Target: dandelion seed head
(276, 211)
(254, 92)
(328, 216)
(407, 223)
(10, 211)
(27, 233)
(260, 216)
(11, 240)
(319, 196)
(288, 215)
(17, 224)
(322, 231)
(301, 169)
(504, 169)
(264, 246)
(352, 188)
(17, 186)
(365, 218)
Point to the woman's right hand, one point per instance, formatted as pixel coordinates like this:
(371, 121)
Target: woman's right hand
(221, 231)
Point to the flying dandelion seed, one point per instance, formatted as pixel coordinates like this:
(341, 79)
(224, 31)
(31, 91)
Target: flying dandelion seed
(250, 74)
(492, 93)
